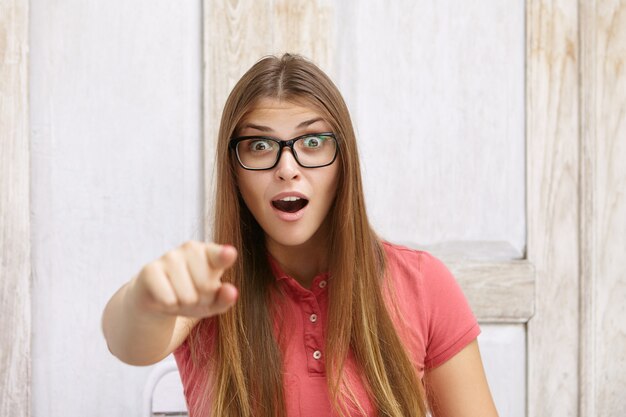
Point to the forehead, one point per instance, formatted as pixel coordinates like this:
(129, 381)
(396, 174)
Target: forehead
(271, 110)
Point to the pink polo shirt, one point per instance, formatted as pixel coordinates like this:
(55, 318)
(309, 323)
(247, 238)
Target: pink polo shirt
(430, 312)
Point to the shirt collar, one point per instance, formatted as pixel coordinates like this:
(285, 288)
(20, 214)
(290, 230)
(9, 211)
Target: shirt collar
(280, 274)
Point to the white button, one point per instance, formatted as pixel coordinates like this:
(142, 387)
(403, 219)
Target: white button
(322, 284)
(313, 318)
(317, 354)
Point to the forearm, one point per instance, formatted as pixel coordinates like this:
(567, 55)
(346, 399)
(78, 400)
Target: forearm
(135, 336)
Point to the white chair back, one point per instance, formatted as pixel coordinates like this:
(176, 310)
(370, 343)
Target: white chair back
(163, 393)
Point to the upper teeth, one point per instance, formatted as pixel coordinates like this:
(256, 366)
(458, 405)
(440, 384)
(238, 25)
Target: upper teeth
(290, 198)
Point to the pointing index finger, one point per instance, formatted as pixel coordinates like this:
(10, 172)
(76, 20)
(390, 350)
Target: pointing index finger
(221, 256)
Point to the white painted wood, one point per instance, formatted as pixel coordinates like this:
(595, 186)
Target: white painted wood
(603, 208)
(497, 291)
(553, 206)
(15, 265)
(503, 349)
(588, 272)
(235, 37)
(436, 91)
(116, 181)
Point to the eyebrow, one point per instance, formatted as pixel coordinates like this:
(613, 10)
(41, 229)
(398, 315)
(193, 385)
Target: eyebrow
(269, 129)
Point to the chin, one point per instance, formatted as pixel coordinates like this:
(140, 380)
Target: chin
(291, 240)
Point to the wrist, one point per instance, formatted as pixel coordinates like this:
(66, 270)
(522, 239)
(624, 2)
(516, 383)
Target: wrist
(136, 303)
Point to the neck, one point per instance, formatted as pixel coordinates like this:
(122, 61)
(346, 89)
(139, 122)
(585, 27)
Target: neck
(302, 262)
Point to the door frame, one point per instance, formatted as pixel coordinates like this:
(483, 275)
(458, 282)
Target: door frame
(15, 244)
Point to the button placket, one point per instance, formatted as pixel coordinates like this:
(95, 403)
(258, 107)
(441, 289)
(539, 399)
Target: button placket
(313, 335)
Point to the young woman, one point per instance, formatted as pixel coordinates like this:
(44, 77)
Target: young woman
(300, 310)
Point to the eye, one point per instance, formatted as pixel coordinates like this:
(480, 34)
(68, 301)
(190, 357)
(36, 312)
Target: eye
(260, 145)
(313, 142)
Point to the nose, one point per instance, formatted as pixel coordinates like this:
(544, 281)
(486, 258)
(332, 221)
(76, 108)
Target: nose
(287, 168)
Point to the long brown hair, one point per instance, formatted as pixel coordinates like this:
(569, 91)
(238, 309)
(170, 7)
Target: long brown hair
(245, 362)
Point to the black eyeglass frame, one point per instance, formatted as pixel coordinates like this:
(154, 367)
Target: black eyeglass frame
(232, 145)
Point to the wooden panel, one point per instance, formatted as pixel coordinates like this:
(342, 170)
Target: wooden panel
(238, 34)
(498, 292)
(116, 181)
(436, 90)
(603, 225)
(503, 351)
(552, 205)
(15, 269)
(499, 288)
(305, 27)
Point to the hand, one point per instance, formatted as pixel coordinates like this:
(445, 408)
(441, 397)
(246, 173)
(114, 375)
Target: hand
(186, 281)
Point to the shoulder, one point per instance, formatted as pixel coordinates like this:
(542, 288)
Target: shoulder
(428, 287)
(404, 262)
(431, 279)
(422, 277)
(420, 280)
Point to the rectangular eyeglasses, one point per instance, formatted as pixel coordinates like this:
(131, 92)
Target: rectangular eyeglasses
(313, 150)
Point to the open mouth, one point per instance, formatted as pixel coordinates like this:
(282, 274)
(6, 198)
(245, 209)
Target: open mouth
(290, 204)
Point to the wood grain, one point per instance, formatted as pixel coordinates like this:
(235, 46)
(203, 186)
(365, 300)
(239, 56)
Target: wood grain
(498, 292)
(603, 208)
(499, 286)
(15, 321)
(588, 244)
(305, 27)
(552, 206)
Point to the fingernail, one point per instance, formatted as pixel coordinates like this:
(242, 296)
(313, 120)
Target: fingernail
(225, 247)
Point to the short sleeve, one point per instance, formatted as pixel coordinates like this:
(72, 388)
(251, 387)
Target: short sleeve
(451, 324)
(182, 354)
(192, 365)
